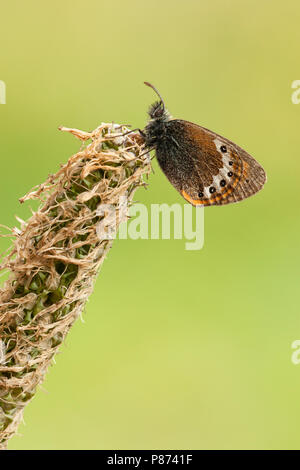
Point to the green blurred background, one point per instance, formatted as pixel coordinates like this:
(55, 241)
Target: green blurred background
(179, 349)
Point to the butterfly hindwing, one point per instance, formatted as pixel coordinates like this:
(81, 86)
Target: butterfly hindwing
(206, 168)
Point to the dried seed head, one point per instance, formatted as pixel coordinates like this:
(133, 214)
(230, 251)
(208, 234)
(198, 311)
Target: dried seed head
(55, 258)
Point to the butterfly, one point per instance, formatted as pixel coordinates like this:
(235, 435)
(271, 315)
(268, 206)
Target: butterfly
(206, 168)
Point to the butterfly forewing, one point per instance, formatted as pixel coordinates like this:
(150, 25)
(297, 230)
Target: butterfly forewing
(205, 168)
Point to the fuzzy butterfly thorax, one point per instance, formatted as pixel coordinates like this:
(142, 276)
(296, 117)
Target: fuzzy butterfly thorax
(206, 168)
(155, 130)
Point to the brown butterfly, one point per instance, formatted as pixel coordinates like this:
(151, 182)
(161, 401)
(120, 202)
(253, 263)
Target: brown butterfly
(204, 167)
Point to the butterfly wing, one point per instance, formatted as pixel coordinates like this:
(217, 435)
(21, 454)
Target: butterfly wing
(206, 168)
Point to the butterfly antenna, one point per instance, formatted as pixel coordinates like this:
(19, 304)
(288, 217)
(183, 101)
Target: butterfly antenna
(153, 88)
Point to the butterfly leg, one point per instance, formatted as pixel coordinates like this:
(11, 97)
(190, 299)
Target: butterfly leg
(142, 133)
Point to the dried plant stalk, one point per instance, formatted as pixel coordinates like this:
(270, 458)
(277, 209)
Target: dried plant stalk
(55, 259)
